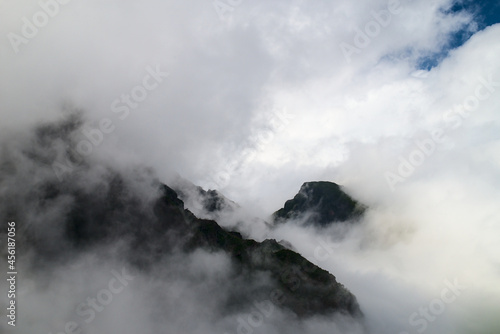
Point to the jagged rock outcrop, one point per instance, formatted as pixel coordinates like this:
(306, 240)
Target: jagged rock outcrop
(210, 201)
(320, 203)
(116, 214)
(299, 285)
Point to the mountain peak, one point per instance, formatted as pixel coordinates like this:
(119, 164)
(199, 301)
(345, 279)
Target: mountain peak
(320, 203)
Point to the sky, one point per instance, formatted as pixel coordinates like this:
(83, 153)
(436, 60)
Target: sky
(398, 101)
(485, 13)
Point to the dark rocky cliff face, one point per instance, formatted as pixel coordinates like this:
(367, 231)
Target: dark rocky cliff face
(296, 284)
(320, 203)
(299, 285)
(112, 213)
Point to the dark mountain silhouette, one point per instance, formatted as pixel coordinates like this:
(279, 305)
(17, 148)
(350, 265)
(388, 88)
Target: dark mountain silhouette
(320, 203)
(95, 206)
(307, 289)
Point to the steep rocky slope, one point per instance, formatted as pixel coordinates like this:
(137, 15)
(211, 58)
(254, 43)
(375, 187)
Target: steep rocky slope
(320, 203)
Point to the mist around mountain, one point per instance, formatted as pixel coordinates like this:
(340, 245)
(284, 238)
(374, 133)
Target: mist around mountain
(112, 248)
(395, 101)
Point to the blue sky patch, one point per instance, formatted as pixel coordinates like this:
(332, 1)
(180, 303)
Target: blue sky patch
(486, 13)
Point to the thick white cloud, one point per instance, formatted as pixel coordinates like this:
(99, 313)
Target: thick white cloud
(348, 122)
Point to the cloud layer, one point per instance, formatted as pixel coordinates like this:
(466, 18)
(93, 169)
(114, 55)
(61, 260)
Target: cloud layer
(261, 97)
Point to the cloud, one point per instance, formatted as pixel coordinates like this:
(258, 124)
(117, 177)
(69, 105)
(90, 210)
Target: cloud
(353, 121)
